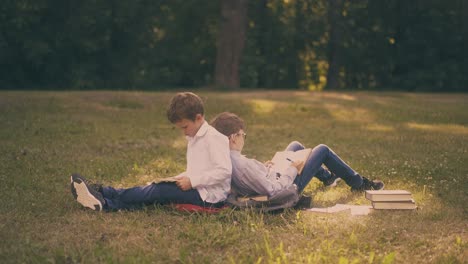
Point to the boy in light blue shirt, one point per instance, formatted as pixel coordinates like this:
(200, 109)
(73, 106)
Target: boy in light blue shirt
(251, 177)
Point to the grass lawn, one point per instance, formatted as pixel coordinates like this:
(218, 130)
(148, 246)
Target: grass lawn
(417, 142)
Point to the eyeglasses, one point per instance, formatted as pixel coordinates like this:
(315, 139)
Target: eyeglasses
(244, 135)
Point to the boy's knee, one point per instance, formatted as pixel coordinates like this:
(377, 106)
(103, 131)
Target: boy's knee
(294, 145)
(321, 148)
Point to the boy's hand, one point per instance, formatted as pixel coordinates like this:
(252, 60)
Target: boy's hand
(268, 164)
(298, 164)
(184, 183)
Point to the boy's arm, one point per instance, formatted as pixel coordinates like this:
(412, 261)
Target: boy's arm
(221, 167)
(254, 174)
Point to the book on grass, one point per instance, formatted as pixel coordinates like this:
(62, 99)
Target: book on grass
(258, 198)
(402, 205)
(168, 179)
(283, 159)
(353, 209)
(388, 195)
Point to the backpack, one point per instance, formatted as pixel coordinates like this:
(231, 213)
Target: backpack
(283, 199)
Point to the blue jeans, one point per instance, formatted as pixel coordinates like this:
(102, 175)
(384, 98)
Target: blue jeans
(155, 193)
(322, 154)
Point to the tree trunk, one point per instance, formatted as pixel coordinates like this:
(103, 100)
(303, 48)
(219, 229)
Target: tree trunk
(335, 7)
(464, 17)
(230, 43)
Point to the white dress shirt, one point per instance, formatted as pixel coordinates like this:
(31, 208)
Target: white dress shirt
(251, 177)
(209, 164)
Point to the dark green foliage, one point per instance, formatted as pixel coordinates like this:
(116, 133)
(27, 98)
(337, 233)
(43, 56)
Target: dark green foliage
(411, 45)
(142, 44)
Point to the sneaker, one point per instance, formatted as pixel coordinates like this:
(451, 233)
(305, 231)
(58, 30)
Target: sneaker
(84, 194)
(332, 181)
(91, 184)
(304, 202)
(369, 185)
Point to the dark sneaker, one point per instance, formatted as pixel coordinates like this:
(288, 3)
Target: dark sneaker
(332, 181)
(84, 194)
(304, 202)
(96, 186)
(91, 184)
(369, 185)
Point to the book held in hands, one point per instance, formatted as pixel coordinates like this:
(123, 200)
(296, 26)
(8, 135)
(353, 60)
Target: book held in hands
(283, 159)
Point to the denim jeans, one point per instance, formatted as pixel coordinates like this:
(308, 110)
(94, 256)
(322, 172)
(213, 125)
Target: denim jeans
(155, 193)
(322, 154)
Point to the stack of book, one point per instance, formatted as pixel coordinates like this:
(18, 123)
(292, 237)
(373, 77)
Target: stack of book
(391, 199)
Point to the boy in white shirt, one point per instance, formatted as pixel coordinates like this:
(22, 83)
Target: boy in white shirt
(206, 182)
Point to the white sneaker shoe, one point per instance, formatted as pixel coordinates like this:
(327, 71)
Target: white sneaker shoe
(86, 196)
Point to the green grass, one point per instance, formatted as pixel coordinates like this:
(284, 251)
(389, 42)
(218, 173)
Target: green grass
(416, 142)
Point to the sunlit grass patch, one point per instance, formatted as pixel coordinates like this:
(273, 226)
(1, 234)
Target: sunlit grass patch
(262, 106)
(441, 128)
(340, 96)
(180, 144)
(380, 128)
(344, 114)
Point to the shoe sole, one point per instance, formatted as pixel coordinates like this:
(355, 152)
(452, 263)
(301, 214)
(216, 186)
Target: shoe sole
(83, 196)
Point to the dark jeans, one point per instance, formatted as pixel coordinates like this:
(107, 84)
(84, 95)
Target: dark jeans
(160, 193)
(322, 154)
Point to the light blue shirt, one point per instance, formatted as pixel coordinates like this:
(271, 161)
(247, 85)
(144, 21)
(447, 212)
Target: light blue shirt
(251, 177)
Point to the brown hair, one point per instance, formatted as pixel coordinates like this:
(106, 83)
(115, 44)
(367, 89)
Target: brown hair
(227, 123)
(184, 106)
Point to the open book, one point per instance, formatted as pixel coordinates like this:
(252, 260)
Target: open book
(283, 159)
(353, 209)
(258, 198)
(168, 179)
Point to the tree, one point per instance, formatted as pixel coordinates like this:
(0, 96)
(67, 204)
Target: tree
(335, 8)
(279, 44)
(464, 43)
(230, 42)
